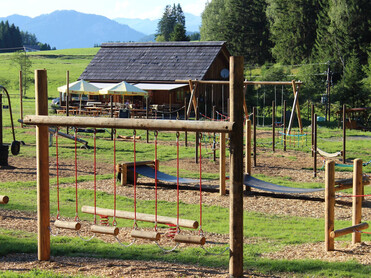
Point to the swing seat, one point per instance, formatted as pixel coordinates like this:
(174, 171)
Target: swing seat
(151, 235)
(200, 240)
(108, 230)
(4, 199)
(69, 225)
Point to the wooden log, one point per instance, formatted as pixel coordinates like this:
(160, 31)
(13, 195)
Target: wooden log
(150, 235)
(168, 125)
(4, 199)
(200, 240)
(42, 155)
(129, 137)
(185, 223)
(329, 205)
(349, 230)
(70, 225)
(108, 230)
(357, 201)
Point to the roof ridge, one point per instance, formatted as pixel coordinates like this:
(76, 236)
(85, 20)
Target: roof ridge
(163, 44)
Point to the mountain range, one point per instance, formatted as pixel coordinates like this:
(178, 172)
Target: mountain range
(72, 29)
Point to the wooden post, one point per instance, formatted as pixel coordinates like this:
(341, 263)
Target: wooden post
(315, 146)
(357, 201)
(344, 132)
(329, 204)
(236, 167)
(254, 135)
(214, 135)
(284, 125)
(147, 116)
(273, 124)
(67, 96)
(42, 149)
(111, 113)
(185, 118)
(248, 147)
(222, 190)
(21, 95)
(197, 133)
(312, 128)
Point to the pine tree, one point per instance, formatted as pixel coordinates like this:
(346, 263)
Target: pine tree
(173, 20)
(248, 30)
(214, 20)
(293, 29)
(242, 23)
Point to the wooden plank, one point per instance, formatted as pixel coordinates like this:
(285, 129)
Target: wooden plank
(141, 217)
(357, 201)
(236, 167)
(42, 157)
(329, 205)
(143, 124)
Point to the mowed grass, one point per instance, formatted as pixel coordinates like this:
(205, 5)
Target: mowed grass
(264, 232)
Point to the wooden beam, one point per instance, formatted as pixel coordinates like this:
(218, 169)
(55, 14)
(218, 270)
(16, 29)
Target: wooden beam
(349, 230)
(236, 167)
(244, 82)
(193, 101)
(296, 95)
(144, 124)
(142, 217)
(222, 189)
(42, 157)
(329, 205)
(357, 201)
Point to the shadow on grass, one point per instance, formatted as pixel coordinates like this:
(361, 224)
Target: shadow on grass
(65, 246)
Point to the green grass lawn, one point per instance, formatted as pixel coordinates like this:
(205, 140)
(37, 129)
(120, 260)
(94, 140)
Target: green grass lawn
(268, 232)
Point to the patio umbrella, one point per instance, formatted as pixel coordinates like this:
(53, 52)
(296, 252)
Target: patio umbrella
(80, 87)
(123, 88)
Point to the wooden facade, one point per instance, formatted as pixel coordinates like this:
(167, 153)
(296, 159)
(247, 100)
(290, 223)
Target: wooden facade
(164, 63)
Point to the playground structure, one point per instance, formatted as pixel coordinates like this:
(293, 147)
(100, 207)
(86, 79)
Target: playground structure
(234, 128)
(53, 131)
(15, 145)
(358, 194)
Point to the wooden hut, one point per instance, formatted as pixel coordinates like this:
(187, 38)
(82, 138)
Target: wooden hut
(155, 67)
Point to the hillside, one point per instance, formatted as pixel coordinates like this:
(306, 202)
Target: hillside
(71, 29)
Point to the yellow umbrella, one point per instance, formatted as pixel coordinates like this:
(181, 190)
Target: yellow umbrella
(123, 88)
(80, 87)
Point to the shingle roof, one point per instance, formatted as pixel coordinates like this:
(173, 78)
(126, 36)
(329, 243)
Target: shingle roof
(166, 61)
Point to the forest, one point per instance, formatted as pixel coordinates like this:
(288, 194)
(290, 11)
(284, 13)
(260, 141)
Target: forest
(323, 43)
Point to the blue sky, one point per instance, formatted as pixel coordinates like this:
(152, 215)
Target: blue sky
(110, 8)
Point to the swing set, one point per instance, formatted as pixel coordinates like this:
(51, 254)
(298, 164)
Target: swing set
(234, 127)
